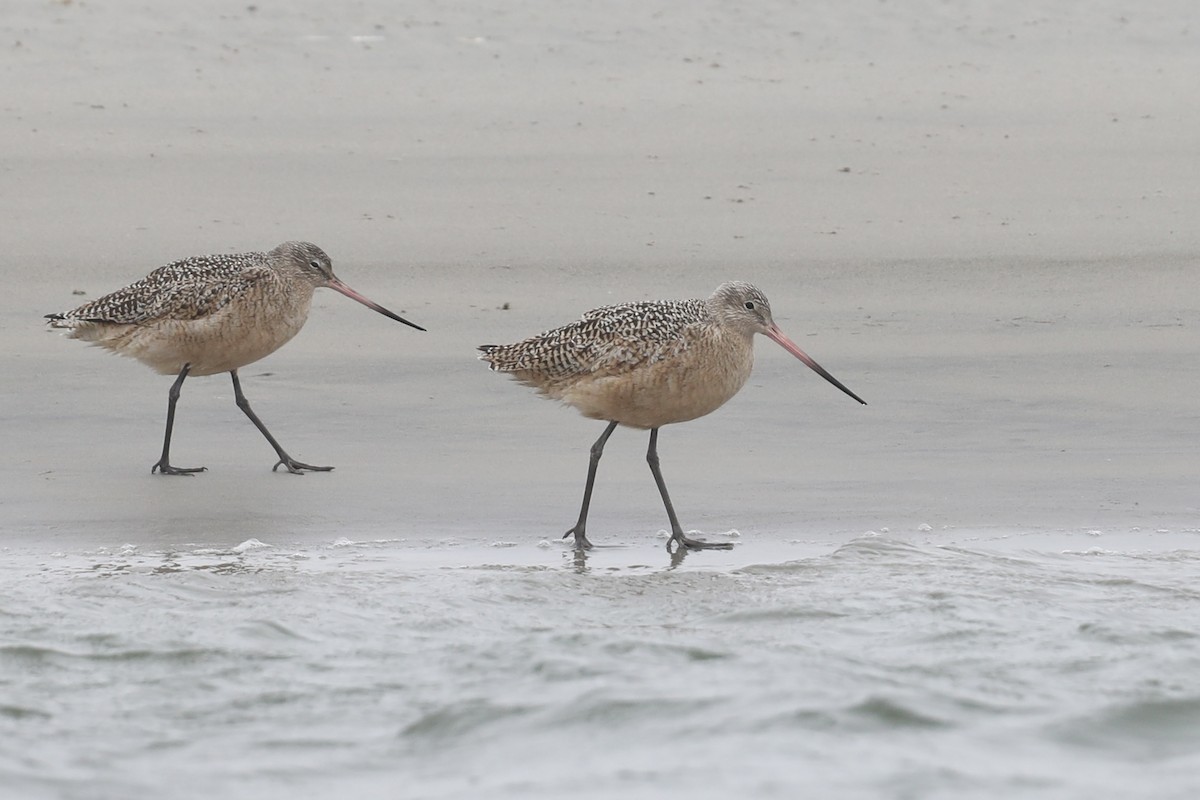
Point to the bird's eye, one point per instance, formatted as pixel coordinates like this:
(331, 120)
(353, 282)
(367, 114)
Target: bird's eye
(315, 264)
(750, 305)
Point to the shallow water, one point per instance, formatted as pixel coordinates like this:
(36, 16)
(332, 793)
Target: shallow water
(937, 664)
(978, 215)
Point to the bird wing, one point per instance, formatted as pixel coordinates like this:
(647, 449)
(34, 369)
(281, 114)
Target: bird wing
(189, 289)
(606, 341)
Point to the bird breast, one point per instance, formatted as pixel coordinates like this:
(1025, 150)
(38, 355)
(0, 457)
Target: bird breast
(254, 323)
(695, 380)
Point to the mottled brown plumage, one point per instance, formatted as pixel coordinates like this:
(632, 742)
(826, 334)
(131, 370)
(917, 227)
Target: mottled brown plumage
(645, 365)
(208, 314)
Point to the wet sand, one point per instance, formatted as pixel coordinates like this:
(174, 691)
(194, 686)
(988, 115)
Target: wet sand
(979, 217)
(982, 224)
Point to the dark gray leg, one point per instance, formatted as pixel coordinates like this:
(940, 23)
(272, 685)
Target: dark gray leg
(164, 463)
(293, 466)
(581, 540)
(677, 536)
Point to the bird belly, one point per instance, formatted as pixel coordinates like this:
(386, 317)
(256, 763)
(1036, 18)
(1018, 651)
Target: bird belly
(220, 342)
(659, 393)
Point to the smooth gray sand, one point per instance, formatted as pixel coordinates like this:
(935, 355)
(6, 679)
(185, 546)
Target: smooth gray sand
(979, 217)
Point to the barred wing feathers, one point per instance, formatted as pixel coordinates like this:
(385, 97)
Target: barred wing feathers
(611, 340)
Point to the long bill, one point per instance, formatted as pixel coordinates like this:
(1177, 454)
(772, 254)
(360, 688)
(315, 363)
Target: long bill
(338, 286)
(777, 336)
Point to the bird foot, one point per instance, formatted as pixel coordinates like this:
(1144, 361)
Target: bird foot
(167, 469)
(297, 467)
(581, 540)
(684, 542)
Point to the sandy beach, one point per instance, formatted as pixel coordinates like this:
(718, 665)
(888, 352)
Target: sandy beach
(987, 237)
(980, 218)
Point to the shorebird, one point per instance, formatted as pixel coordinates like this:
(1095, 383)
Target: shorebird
(645, 365)
(208, 314)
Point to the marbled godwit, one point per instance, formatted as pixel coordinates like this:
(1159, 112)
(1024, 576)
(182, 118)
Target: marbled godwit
(210, 314)
(645, 365)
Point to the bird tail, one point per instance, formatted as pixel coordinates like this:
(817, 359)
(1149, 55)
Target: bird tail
(74, 327)
(503, 357)
(487, 352)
